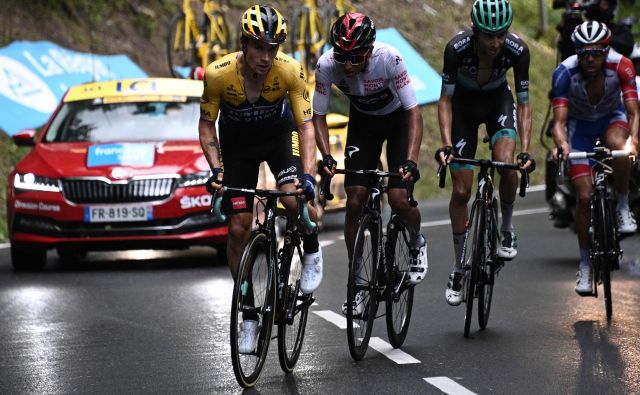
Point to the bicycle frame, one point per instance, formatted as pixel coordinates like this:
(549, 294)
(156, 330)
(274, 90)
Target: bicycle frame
(482, 228)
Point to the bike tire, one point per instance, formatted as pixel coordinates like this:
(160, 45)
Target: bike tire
(255, 280)
(293, 313)
(179, 57)
(363, 278)
(473, 244)
(398, 305)
(487, 270)
(606, 235)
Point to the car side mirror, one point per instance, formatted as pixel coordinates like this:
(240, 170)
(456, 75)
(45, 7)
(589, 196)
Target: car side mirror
(25, 137)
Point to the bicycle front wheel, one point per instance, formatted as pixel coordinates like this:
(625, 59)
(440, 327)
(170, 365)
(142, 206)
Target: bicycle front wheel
(362, 290)
(293, 313)
(399, 294)
(488, 267)
(253, 300)
(607, 248)
(473, 248)
(181, 55)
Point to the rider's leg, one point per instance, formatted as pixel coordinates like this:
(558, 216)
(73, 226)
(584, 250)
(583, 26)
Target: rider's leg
(356, 199)
(503, 150)
(286, 165)
(239, 233)
(462, 179)
(616, 138)
(584, 188)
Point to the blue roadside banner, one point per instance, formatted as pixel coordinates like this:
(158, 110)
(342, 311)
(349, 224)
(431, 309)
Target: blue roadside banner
(426, 81)
(34, 75)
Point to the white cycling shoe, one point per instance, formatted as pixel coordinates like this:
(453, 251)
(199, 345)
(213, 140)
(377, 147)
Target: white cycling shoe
(453, 294)
(248, 336)
(311, 272)
(358, 305)
(584, 283)
(626, 222)
(419, 265)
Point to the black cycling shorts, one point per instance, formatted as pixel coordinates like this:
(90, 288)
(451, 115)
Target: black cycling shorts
(496, 109)
(241, 164)
(365, 136)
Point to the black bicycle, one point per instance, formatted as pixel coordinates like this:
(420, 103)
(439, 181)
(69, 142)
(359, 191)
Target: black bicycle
(267, 285)
(604, 249)
(378, 269)
(480, 258)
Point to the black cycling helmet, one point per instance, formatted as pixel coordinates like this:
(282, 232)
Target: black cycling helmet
(264, 23)
(352, 33)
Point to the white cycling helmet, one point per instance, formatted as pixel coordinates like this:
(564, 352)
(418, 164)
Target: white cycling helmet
(591, 33)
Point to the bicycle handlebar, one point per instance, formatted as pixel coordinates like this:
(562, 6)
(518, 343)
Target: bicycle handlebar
(486, 163)
(598, 154)
(303, 211)
(325, 189)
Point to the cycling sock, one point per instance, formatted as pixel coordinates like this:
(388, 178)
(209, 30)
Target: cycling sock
(507, 213)
(458, 243)
(623, 201)
(585, 261)
(418, 241)
(310, 243)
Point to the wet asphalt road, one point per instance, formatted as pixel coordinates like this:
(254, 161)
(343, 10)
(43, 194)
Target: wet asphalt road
(157, 322)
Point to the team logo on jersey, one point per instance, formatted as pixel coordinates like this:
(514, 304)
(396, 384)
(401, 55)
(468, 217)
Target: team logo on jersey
(222, 65)
(352, 149)
(460, 146)
(502, 119)
(462, 43)
(514, 46)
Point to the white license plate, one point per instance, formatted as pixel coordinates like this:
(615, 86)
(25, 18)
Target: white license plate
(128, 213)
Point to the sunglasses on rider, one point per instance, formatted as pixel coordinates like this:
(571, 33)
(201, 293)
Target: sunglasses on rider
(594, 52)
(354, 59)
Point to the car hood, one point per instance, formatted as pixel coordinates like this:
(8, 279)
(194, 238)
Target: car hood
(76, 159)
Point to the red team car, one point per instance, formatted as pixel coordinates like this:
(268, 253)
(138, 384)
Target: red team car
(118, 166)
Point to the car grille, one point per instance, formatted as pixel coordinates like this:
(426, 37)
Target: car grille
(99, 191)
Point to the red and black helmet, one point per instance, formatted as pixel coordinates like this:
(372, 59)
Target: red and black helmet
(352, 33)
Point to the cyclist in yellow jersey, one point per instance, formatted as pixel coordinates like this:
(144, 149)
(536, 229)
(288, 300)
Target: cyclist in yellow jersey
(245, 91)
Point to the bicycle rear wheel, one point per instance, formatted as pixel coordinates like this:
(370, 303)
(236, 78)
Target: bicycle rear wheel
(253, 299)
(399, 294)
(488, 267)
(181, 58)
(293, 313)
(471, 260)
(362, 288)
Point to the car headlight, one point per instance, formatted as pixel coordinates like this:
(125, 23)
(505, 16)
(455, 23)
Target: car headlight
(194, 179)
(32, 182)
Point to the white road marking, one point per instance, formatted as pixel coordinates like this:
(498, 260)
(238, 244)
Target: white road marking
(324, 243)
(5, 245)
(516, 213)
(531, 211)
(448, 386)
(336, 319)
(395, 354)
(537, 188)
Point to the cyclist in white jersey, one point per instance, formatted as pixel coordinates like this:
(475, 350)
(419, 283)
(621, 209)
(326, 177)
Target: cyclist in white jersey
(383, 107)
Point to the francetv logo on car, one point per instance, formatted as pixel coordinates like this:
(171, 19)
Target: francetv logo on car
(121, 155)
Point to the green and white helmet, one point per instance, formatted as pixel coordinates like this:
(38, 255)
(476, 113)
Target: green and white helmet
(492, 16)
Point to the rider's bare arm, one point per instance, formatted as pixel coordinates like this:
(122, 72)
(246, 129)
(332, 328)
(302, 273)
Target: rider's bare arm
(445, 120)
(209, 142)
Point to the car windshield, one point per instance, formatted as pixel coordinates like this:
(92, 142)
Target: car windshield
(95, 121)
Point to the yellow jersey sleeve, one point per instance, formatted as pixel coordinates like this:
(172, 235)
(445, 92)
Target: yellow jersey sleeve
(214, 76)
(297, 87)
